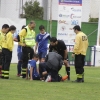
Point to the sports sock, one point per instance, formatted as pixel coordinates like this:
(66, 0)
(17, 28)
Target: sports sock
(68, 72)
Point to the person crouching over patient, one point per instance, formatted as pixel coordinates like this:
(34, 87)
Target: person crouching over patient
(52, 65)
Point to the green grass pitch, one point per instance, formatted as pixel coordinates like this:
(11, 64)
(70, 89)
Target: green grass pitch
(17, 88)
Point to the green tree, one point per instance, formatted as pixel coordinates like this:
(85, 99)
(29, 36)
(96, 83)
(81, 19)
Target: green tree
(33, 10)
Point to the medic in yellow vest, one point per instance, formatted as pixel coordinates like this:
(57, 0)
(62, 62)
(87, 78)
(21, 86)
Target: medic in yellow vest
(7, 47)
(3, 31)
(27, 41)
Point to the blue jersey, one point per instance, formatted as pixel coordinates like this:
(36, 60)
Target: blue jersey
(42, 40)
(32, 63)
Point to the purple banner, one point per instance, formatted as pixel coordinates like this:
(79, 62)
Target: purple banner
(77, 2)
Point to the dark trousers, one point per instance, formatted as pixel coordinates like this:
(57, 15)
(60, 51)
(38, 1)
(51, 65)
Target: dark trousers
(42, 68)
(0, 63)
(19, 65)
(36, 78)
(0, 58)
(79, 65)
(27, 54)
(54, 74)
(6, 60)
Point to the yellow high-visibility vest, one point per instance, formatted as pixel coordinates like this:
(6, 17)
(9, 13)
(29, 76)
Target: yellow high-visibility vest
(8, 42)
(81, 43)
(1, 38)
(30, 37)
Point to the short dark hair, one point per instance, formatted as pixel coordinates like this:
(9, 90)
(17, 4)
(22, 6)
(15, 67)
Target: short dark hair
(23, 26)
(53, 39)
(77, 27)
(41, 27)
(11, 28)
(5, 26)
(36, 56)
(32, 22)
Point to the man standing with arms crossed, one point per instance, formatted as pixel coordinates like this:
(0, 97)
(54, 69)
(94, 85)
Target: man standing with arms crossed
(27, 41)
(80, 49)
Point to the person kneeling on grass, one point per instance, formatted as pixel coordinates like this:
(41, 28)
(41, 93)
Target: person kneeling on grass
(52, 65)
(32, 70)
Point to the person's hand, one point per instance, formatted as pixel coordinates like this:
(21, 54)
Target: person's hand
(64, 61)
(42, 60)
(15, 39)
(34, 51)
(73, 55)
(24, 44)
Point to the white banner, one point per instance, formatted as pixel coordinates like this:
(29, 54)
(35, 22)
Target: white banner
(18, 23)
(69, 15)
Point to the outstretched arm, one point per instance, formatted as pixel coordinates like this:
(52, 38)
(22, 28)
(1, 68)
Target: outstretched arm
(36, 47)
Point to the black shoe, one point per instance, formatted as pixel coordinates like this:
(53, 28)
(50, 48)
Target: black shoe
(78, 81)
(23, 76)
(2, 77)
(82, 80)
(68, 79)
(6, 78)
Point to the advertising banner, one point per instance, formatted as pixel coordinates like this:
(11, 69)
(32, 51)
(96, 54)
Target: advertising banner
(69, 15)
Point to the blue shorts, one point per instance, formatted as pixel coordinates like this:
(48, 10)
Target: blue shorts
(36, 77)
(33, 76)
(42, 54)
(19, 56)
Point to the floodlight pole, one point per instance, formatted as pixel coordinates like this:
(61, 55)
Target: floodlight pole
(22, 7)
(48, 7)
(51, 17)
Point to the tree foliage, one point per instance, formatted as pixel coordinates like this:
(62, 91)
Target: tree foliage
(93, 19)
(33, 10)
